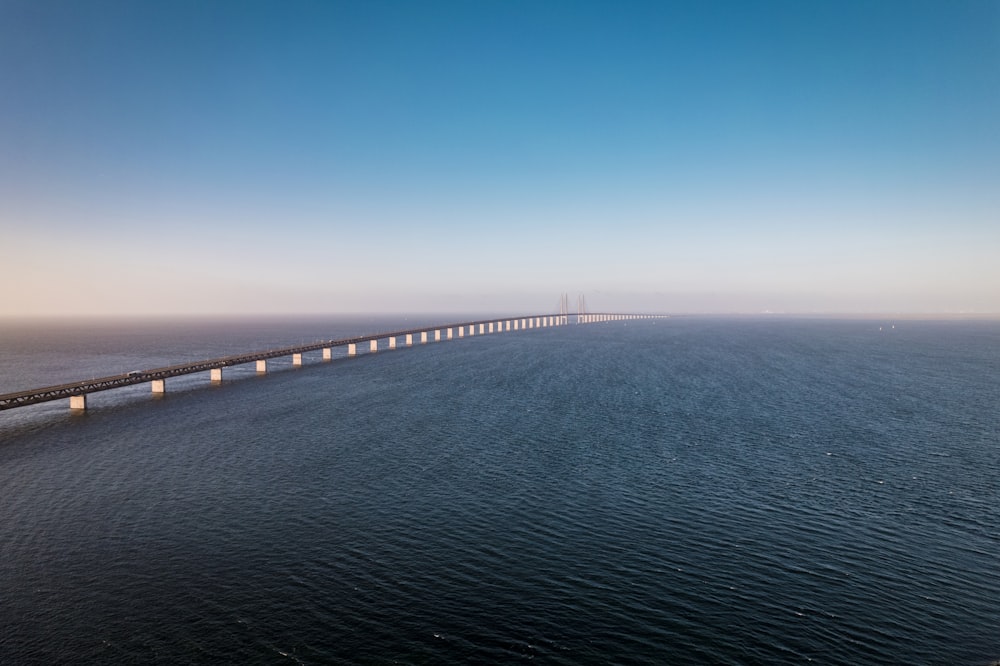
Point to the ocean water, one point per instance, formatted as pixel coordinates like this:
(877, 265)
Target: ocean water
(679, 491)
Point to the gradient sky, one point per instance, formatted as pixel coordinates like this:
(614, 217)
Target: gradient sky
(214, 156)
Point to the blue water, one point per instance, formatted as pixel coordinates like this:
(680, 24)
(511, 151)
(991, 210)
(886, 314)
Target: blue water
(684, 491)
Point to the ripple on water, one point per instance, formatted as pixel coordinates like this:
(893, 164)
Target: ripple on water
(693, 491)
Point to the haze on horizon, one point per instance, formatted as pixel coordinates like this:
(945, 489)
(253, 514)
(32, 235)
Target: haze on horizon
(318, 157)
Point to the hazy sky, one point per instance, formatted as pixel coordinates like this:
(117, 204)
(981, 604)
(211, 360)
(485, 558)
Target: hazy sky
(249, 157)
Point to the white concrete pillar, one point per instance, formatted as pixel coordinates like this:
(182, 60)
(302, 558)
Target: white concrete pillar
(327, 354)
(491, 327)
(373, 346)
(296, 359)
(482, 329)
(461, 331)
(508, 324)
(78, 402)
(472, 329)
(216, 374)
(352, 349)
(437, 335)
(449, 334)
(423, 337)
(392, 342)
(409, 339)
(159, 385)
(516, 323)
(262, 366)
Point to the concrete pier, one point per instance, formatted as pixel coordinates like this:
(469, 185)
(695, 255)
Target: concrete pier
(491, 327)
(352, 349)
(296, 359)
(449, 334)
(409, 339)
(327, 354)
(78, 402)
(423, 337)
(483, 326)
(216, 374)
(437, 335)
(261, 366)
(159, 386)
(392, 342)
(373, 347)
(461, 331)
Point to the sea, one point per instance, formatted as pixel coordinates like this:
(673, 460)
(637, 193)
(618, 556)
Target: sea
(687, 490)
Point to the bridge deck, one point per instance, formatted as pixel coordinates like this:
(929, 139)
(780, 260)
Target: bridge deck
(45, 394)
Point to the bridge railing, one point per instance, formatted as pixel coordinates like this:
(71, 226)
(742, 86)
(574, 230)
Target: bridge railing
(82, 388)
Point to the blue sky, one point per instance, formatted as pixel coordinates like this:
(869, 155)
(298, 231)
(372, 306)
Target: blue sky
(311, 157)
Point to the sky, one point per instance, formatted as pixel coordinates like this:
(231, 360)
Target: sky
(246, 157)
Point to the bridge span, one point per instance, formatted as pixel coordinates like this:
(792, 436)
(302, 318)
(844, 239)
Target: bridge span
(77, 391)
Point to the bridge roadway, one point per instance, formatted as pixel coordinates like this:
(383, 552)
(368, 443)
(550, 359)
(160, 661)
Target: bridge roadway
(82, 388)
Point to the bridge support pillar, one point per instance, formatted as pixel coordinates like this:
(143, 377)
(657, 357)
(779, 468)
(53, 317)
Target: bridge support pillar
(437, 335)
(352, 349)
(216, 374)
(392, 342)
(296, 359)
(461, 331)
(159, 386)
(327, 354)
(482, 328)
(262, 366)
(78, 402)
(409, 339)
(491, 327)
(373, 346)
(449, 334)
(423, 337)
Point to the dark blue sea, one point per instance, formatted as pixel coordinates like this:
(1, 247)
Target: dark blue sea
(677, 491)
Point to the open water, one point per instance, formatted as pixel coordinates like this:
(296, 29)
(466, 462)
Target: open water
(680, 491)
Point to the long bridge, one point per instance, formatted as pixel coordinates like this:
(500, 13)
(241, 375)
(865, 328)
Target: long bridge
(77, 391)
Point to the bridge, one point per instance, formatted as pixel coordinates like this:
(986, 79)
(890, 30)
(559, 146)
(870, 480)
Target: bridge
(77, 391)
